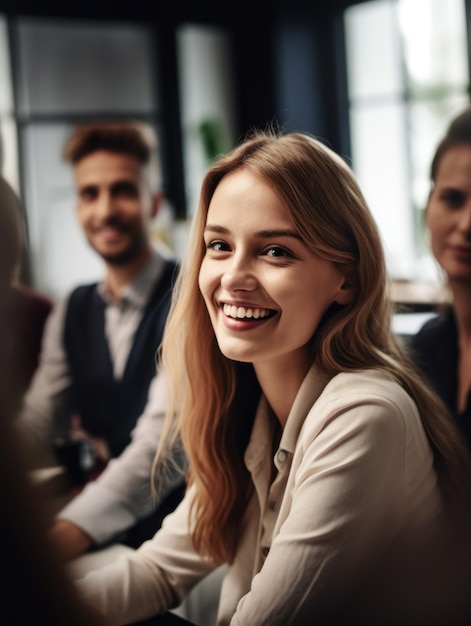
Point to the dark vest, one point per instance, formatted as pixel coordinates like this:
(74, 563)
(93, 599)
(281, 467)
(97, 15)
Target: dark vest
(109, 408)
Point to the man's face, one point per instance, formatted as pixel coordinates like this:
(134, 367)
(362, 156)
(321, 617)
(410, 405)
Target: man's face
(115, 205)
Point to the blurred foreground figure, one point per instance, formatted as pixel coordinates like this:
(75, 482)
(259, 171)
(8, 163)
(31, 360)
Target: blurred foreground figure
(35, 589)
(28, 309)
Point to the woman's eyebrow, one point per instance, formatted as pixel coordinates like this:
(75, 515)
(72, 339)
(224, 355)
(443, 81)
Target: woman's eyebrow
(216, 229)
(450, 187)
(267, 234)
(264, 234)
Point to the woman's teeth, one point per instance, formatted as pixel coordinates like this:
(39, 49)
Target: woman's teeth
(241, 312)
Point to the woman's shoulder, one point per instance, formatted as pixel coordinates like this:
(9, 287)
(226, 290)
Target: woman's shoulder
(349, 392)
(365, 410)
(366, 382)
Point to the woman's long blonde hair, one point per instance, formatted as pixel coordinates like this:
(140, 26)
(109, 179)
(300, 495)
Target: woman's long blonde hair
(327, 208)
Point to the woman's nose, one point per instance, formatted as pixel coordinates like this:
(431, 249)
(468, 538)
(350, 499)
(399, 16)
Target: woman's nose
(465, 219)
(239, 274)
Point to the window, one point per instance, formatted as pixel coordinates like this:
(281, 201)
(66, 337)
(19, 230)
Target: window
(408, 74)
(8, 133)
(67, 72)
(207, 101)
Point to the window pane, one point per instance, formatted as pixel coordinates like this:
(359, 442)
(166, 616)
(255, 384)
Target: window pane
(8, 139)
(208, 105)
(380, 162)
(60, 255)
(372, 46)
(6, 96)
(434, 43)
(408, 76)
(87, 67)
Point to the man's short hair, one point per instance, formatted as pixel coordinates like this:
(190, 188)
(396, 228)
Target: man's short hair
(135, 139)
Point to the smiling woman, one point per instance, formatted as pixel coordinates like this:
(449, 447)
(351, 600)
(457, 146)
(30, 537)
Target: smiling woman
(323, 470)
(253, 280)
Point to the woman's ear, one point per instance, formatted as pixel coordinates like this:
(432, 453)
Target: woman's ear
(346, 293)
(348, 287)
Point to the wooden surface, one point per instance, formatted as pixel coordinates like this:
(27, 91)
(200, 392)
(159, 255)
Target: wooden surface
(418, 293)
(167, 619)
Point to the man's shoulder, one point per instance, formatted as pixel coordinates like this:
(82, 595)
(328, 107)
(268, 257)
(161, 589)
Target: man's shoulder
(80, 296)
(80, 289)
(165, 280)
(170, 266)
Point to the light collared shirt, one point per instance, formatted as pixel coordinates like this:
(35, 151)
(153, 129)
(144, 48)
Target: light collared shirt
(121, 495)
(123, 315)
(354, 474)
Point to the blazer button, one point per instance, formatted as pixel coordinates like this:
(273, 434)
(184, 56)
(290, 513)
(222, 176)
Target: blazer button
(282, 456)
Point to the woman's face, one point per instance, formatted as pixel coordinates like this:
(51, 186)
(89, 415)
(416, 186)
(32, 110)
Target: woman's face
(265, 291)
(449, 214)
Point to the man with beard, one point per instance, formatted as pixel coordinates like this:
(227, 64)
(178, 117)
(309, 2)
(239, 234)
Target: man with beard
(98, 356)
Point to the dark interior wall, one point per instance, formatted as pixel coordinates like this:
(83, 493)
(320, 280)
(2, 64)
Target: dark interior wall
(310, 77)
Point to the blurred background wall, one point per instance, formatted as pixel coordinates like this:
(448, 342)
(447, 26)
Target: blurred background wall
(378, 80)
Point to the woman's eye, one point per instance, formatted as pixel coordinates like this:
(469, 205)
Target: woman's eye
(453, 198)
(219, 246)
(276, 251)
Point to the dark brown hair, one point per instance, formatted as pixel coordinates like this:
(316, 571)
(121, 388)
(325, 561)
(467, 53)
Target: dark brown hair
(458, 133)
(124, 137)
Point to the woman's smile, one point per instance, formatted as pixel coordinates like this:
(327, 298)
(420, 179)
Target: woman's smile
(245, 318)
(242, 312)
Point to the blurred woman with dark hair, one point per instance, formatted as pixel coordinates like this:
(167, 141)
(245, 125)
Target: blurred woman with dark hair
(442, 348)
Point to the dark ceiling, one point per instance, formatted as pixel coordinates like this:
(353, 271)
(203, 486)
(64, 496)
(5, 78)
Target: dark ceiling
(238, 11)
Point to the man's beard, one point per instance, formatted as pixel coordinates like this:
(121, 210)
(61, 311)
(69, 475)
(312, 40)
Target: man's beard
(135, 248)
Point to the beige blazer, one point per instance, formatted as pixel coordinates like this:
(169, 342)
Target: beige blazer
(354, 483)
